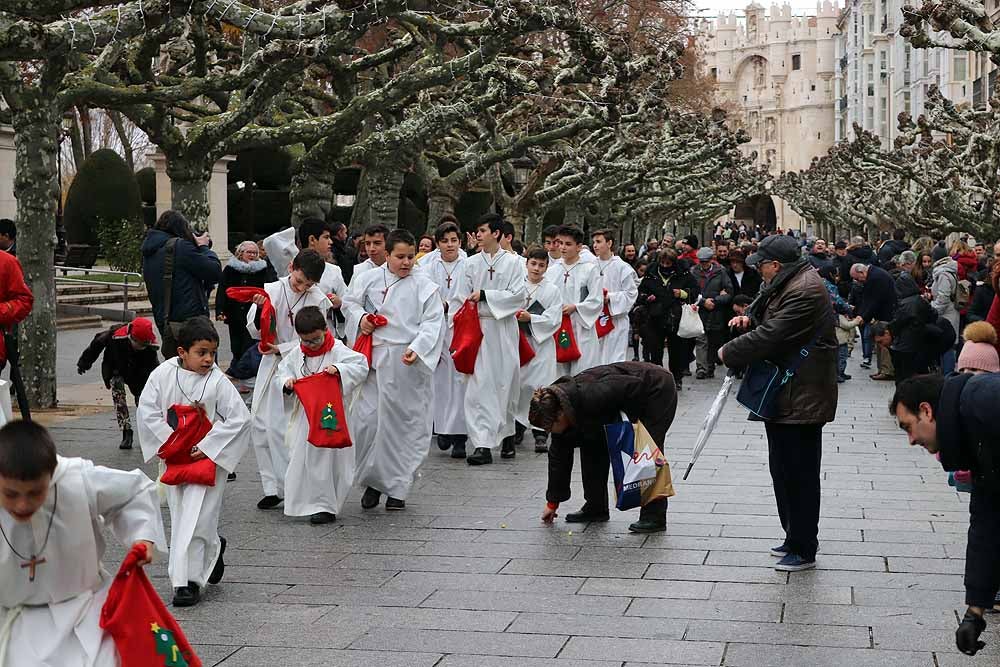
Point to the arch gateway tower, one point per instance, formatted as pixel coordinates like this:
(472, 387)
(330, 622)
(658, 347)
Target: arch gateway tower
(775, 75)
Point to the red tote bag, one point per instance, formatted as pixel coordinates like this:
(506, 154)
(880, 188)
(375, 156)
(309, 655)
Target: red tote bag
(322, 398)
(191, 427)
(134, 615)
(466, 338)
(363, 344)
(605, 324)
(566, 348)
(525, 352)
(268, 323)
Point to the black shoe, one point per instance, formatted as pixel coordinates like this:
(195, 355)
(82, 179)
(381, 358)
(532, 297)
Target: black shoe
(231, 477)
(678, 384)
(481, 456)
(710, 375)
(846, 376)
(866, 364)
(319, 518)
(444, 442)
(586, 516)
(686, 373)
(647, 526)
(268, 502)
(371, 498)
(395, 504)
(700, 375)
(507, 450)
(519, 430)
(126, 439)
(458, 450)
(220, 565)
(541, 444)
(187, 596)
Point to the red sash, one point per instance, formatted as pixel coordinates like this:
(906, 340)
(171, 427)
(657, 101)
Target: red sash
(268, 322)
(364, 343)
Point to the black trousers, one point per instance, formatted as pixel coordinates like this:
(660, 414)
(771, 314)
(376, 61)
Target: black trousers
(239, 339)
(654, 340)
(795, 452)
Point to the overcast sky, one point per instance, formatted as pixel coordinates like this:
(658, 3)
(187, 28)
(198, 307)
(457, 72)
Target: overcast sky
(712, 7)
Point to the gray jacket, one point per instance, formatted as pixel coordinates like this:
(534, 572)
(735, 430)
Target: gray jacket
(944, 288)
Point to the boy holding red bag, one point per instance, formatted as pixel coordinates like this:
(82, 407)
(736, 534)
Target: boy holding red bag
(579, 284)
(54, 514)
(181, 395)
(391, 417)
(325, 374)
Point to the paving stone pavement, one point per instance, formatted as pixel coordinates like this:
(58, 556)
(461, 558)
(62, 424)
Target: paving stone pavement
(468, 577)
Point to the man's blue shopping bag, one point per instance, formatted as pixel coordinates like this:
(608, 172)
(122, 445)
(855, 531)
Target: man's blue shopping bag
(640, 469)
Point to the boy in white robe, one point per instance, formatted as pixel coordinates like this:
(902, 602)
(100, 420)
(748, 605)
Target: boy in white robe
(375, 248)
(318, 478)
(540, 319)
(391, 417)
(620, 287)
(52, 580)
(550, 239)
(193, 378)
(444, 267)
(579, 284)
(494, 278)
(269, 417)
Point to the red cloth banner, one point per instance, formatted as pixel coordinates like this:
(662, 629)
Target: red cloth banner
(466, 337)
(322, 398)
(191, 425)
(268, 323)
(566, 347)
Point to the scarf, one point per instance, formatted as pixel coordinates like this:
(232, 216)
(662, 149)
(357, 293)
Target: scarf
(328, 343)
(247, 267)
(770, 290)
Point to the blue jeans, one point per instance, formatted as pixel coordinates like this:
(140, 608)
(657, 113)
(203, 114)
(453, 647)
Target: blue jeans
(866, 342)
(948, 360)
(842, 354)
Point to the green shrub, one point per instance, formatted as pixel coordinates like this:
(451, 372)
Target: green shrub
(104, 188)
(121, 243)
(146, 178)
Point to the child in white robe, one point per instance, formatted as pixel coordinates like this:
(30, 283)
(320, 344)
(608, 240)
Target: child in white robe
(391, 417)
(578, 281)
(52, 580)
(270, 408)
(375, 249)
(193, 378)
(318, 478)
(444, 267)
(620, 287)
(540, 319)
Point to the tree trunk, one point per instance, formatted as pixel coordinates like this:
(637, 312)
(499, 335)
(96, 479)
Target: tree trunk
(123, 137)
(439, 204)
(377, 202)
(189, 193)
(311, 195)
(574, 216)
(36, 142)
(534, 220)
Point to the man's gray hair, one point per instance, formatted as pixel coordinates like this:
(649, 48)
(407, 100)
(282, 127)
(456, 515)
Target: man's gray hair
(859, 268)
(907, 257)
(857, 240)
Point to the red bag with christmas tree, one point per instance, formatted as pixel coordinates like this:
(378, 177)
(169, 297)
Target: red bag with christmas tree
(190, 425)
(525, 352)
(322, 399)
(268, 323)
(566, 348)
(466, 337)
(604, 324)
(145, 633)
(363, 344)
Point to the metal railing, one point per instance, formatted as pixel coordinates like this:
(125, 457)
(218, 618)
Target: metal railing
(124, 284)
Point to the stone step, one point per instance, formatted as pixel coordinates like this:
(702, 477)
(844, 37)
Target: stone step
(72, 322)
(100, 298)
(70, 289)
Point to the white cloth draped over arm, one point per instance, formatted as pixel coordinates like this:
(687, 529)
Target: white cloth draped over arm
(590, 308)
(622, 296)
(153, 427)
(506, 302)
(229, 438)
(353, 307)
(427, 343)
(281, 250)
(127, 502)
(251, 322)
(545, 325)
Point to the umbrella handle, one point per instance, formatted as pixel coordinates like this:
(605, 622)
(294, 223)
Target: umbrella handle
(688, 471)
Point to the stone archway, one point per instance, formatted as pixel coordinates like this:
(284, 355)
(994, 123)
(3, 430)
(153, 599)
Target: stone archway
(758, 210)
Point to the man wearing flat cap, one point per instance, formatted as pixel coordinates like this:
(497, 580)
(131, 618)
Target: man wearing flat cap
(792, 317)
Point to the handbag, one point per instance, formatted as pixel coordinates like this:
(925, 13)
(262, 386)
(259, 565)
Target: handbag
(763, 379)
(690, 325)
(566, 348)
(467, 336)
(639, 468)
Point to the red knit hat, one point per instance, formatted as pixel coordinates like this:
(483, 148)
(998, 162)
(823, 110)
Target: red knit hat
(979, 353)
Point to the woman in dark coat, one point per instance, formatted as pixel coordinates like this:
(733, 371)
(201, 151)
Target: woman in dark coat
(245, 269)
(662, 291)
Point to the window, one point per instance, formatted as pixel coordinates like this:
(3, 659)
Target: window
(796, 62)
(961, 67)
(906, 102)
(715, 74)
(812, 87)
(883, 60)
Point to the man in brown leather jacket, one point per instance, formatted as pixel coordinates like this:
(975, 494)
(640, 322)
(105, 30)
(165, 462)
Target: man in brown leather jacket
(792, 313)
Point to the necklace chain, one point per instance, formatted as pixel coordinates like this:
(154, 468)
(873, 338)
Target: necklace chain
(48, 531)
(291, 306)
(204, 387)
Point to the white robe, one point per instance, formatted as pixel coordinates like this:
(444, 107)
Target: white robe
(332, 282)
(391, 417)
(55, 620)
(270, 407)
(364, 266)
(541, 370)
(436, 254)
(194, 508)
(318, 478)
(622, 284)
(281, 250)
(449, 384)
(579, 284)
(491, 391)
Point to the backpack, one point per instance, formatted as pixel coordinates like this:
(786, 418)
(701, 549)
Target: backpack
(963, 294)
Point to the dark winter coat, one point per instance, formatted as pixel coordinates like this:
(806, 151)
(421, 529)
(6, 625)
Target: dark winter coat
(750, 285)
(120, 359)
(241, 274)
(790, 313)
(345, 256)
(863, 254)
(644, 392)
(196, 271)
(982, 299)
(714, 283)
(664, 311)
(968, 440)
(820, 260)
(890, 249)
(878, 296)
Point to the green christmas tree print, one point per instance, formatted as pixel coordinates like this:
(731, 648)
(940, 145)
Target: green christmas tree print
(328, 420)
(166, 646)
(564, 339)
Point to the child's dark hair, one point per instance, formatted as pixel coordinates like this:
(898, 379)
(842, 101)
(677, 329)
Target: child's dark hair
(572, 232)
(398, 236)
(310, 263)
(444, 229)
(742, 300)
(605, 234)
(537, 252)
(309, 319)
(550, 232)
(311, 227)
(517, 246)
(196, 329)
(377, 230)
(27, 451)
(507, 229)
(493, 221)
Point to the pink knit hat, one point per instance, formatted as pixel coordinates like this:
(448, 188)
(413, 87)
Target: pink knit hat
(979, 353)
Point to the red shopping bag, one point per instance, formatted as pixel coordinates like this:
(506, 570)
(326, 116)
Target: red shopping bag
(566, 348)
(322, 398)
(466, 338)
(605, 324)
(134, 615)
(363, 344)
(191, 425)
(268, 323)
(525, 352)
